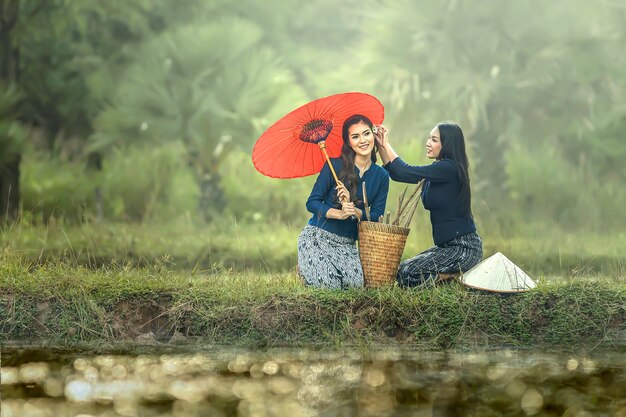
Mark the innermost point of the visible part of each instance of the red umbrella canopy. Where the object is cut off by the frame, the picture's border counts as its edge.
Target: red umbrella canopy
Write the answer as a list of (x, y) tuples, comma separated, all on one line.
[(289, 148)]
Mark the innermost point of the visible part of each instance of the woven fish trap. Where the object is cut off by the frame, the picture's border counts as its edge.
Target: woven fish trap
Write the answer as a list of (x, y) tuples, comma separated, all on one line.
[(380, 248)]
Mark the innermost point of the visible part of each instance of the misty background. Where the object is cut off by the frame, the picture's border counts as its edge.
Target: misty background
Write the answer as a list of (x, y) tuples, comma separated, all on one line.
[(146, 111)]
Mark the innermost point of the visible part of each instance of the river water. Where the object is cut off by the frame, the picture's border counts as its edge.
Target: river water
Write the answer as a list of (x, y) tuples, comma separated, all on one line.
[(291, 382)]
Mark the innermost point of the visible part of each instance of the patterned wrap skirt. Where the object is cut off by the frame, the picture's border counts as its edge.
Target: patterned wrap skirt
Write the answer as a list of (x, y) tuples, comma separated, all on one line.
[(458, 255), (327, 260)]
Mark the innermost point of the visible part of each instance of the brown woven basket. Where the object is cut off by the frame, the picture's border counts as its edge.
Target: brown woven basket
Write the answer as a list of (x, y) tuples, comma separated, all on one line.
[(380, 248)]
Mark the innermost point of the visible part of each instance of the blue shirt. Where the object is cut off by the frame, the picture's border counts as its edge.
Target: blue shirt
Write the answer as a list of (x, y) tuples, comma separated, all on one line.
[(440, 195), (324, 197)]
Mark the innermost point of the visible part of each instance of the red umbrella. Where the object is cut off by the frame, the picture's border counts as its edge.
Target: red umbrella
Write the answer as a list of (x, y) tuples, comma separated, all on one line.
[(287, 149)]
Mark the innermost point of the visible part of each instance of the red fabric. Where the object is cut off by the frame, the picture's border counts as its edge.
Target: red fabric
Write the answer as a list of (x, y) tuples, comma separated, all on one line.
[(286, 151)]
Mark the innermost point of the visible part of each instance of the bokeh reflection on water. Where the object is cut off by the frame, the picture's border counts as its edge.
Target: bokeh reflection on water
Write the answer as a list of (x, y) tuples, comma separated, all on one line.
[(305, 382)]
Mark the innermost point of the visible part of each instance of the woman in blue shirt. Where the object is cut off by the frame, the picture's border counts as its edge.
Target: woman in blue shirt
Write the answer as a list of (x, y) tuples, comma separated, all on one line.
[(446, 194), (327, 252)]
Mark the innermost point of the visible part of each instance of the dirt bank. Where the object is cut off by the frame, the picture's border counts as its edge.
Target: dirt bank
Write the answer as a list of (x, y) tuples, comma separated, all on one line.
[(564, 314)]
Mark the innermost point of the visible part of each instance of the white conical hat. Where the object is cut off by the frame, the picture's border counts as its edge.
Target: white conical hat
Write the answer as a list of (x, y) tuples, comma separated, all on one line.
[(498, 274)]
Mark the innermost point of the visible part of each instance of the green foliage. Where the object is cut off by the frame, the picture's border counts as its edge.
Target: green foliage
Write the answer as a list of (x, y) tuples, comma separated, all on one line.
[(147, 182), (505, 80), (211, 87), (311, 41), (540, 97), (12, 133), (543, 184), (55, 188), (82, 48), (252, 197), (138, 183), (200, 85)]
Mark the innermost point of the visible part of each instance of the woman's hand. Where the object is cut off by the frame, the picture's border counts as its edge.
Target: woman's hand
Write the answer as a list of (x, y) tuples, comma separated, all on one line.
[(342, 192), (347, 210), (387, 154), (382, 135), (347, 207)]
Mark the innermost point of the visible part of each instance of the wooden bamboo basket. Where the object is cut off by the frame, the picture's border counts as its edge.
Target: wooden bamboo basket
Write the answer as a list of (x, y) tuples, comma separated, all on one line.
[(380, 249)]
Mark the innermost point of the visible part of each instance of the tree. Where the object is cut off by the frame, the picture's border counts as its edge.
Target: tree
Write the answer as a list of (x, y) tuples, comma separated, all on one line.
[(507, 73), (312, 38), (48, 49), (9, 138), (212, 87), (11, 141)]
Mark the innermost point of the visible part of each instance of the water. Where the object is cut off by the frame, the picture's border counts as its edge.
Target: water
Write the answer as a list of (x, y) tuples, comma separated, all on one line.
[(303, 382)]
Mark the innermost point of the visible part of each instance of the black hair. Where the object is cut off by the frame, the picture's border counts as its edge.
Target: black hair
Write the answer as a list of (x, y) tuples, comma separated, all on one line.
[(347, 174), (453, 147)]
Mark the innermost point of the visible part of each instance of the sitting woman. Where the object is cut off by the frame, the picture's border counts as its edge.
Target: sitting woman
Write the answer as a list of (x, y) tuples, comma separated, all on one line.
[(446, 193), (327, 252)]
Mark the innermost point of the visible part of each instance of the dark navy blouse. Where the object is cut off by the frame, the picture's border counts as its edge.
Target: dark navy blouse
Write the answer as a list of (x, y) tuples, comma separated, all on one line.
[(440, 195), (324, 197)]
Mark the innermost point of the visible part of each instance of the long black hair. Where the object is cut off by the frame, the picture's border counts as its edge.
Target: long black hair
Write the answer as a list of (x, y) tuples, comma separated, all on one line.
[(347, 174), (453, 147)]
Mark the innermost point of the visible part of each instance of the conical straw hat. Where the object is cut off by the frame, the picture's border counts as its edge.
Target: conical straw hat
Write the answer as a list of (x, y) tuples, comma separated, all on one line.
[(498, 274)]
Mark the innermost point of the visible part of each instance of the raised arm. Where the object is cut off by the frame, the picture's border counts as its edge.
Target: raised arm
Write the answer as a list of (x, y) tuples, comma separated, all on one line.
[(440, 171)]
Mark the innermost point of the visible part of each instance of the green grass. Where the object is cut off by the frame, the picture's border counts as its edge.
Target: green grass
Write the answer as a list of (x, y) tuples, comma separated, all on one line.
[(62, 304), (271, 248), (233, 283), (184, 246)]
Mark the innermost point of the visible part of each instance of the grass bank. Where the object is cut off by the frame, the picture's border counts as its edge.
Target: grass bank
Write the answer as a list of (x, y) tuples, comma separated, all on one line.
[(62, 304)]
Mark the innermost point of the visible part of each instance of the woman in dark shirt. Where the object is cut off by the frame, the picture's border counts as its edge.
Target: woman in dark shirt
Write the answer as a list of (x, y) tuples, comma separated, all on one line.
[(446, 194), (327, 252)]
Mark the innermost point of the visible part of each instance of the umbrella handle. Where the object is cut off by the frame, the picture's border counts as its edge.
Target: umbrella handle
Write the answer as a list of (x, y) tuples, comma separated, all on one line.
[(322, 145)]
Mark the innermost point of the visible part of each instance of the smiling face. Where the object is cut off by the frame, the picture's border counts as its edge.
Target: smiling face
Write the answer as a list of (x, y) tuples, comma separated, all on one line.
[(433, 144), (361, 139)]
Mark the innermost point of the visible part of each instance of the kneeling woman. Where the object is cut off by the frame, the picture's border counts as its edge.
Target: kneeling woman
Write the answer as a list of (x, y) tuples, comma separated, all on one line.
[(446, 193), (327, 252)]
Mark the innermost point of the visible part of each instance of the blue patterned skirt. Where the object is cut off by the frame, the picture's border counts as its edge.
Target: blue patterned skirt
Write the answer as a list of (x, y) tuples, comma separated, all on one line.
[(328, 260)]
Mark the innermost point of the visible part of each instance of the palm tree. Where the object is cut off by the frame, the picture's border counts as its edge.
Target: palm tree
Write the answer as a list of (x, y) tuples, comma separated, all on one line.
[(213, 87), (531, 72)]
